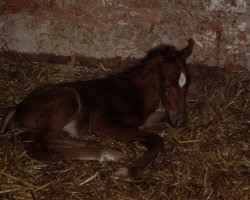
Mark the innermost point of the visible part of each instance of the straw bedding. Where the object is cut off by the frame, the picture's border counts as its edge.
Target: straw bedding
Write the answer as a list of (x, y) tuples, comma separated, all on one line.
[(206, 159)]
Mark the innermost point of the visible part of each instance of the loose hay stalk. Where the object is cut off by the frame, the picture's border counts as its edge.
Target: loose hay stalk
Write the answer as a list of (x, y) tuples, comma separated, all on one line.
[(207, 159)]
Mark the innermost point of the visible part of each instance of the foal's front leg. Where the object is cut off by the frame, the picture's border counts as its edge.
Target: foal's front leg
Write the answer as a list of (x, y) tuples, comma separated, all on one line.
[(152, 142), (154, 122)]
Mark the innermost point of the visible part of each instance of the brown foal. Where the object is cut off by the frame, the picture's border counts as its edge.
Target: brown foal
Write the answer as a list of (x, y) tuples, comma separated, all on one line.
[(112, 107)]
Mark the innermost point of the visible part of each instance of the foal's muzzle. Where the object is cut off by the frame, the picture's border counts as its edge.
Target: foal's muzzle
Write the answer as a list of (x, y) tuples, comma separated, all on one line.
[(178, 119)]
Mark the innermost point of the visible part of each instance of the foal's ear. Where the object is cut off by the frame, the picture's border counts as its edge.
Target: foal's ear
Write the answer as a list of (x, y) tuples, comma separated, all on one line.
[(186, 52)]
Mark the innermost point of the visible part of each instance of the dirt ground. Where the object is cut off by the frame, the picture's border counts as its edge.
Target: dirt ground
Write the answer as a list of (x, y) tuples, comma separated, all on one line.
[(206, 159)]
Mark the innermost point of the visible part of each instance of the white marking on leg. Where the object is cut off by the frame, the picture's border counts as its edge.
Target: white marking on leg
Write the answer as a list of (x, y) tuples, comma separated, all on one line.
[(107, 157), (111, 155), (182, 80), (71, 129)]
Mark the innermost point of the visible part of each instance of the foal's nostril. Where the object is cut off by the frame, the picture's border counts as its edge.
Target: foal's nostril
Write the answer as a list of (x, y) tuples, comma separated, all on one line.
[(179, 123), (178, 120)]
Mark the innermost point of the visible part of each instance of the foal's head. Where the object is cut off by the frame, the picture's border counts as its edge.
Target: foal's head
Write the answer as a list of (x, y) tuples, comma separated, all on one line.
[(174, 83)]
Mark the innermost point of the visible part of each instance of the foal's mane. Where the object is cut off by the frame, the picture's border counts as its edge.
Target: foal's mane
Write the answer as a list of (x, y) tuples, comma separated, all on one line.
[(169, 51)]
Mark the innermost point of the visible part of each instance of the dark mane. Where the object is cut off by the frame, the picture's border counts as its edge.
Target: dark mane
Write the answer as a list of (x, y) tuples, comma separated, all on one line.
[(169, 51)]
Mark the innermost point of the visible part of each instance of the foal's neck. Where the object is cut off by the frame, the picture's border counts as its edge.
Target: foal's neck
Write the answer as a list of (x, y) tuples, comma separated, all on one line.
[(147, 73), (146, 80), (145, 76)]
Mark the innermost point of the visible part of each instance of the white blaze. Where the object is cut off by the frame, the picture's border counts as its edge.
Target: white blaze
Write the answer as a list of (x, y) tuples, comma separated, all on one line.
[(182, 80)]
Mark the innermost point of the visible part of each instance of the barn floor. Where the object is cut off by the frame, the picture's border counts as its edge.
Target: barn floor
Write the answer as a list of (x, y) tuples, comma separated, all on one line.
[(207, 159)]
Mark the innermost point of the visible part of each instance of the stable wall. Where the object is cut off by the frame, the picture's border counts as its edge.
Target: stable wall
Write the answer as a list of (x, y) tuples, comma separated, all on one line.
[(127, 28)]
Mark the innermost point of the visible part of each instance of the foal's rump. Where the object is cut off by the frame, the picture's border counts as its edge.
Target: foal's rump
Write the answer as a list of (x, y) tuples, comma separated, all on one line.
[(48, 106)]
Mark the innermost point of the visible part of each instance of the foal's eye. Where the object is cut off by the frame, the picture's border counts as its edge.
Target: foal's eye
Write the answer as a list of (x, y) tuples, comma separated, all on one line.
[(167, 88)]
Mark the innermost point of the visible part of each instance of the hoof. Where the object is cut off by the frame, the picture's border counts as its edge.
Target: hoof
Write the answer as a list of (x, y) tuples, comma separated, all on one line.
[(122, 172), (126, 174)]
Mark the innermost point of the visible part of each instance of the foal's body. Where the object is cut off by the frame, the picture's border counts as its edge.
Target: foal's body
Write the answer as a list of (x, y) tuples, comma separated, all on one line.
[(112, 107)]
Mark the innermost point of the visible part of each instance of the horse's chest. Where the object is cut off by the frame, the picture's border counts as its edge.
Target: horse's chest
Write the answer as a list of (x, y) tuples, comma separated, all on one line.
[(140, 118)]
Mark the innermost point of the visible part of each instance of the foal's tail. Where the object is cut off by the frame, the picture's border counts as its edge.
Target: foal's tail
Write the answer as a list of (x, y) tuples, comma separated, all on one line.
[(7, 121)]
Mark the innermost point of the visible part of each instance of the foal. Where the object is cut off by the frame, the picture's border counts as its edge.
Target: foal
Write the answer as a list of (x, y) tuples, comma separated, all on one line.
[(111, 107)]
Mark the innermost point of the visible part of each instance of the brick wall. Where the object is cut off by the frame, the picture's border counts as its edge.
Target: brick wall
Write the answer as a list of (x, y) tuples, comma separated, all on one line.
[(128, 28)]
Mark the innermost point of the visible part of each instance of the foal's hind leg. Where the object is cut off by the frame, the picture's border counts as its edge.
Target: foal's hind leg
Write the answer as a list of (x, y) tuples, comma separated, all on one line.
[(72, 150), (48, 146)]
